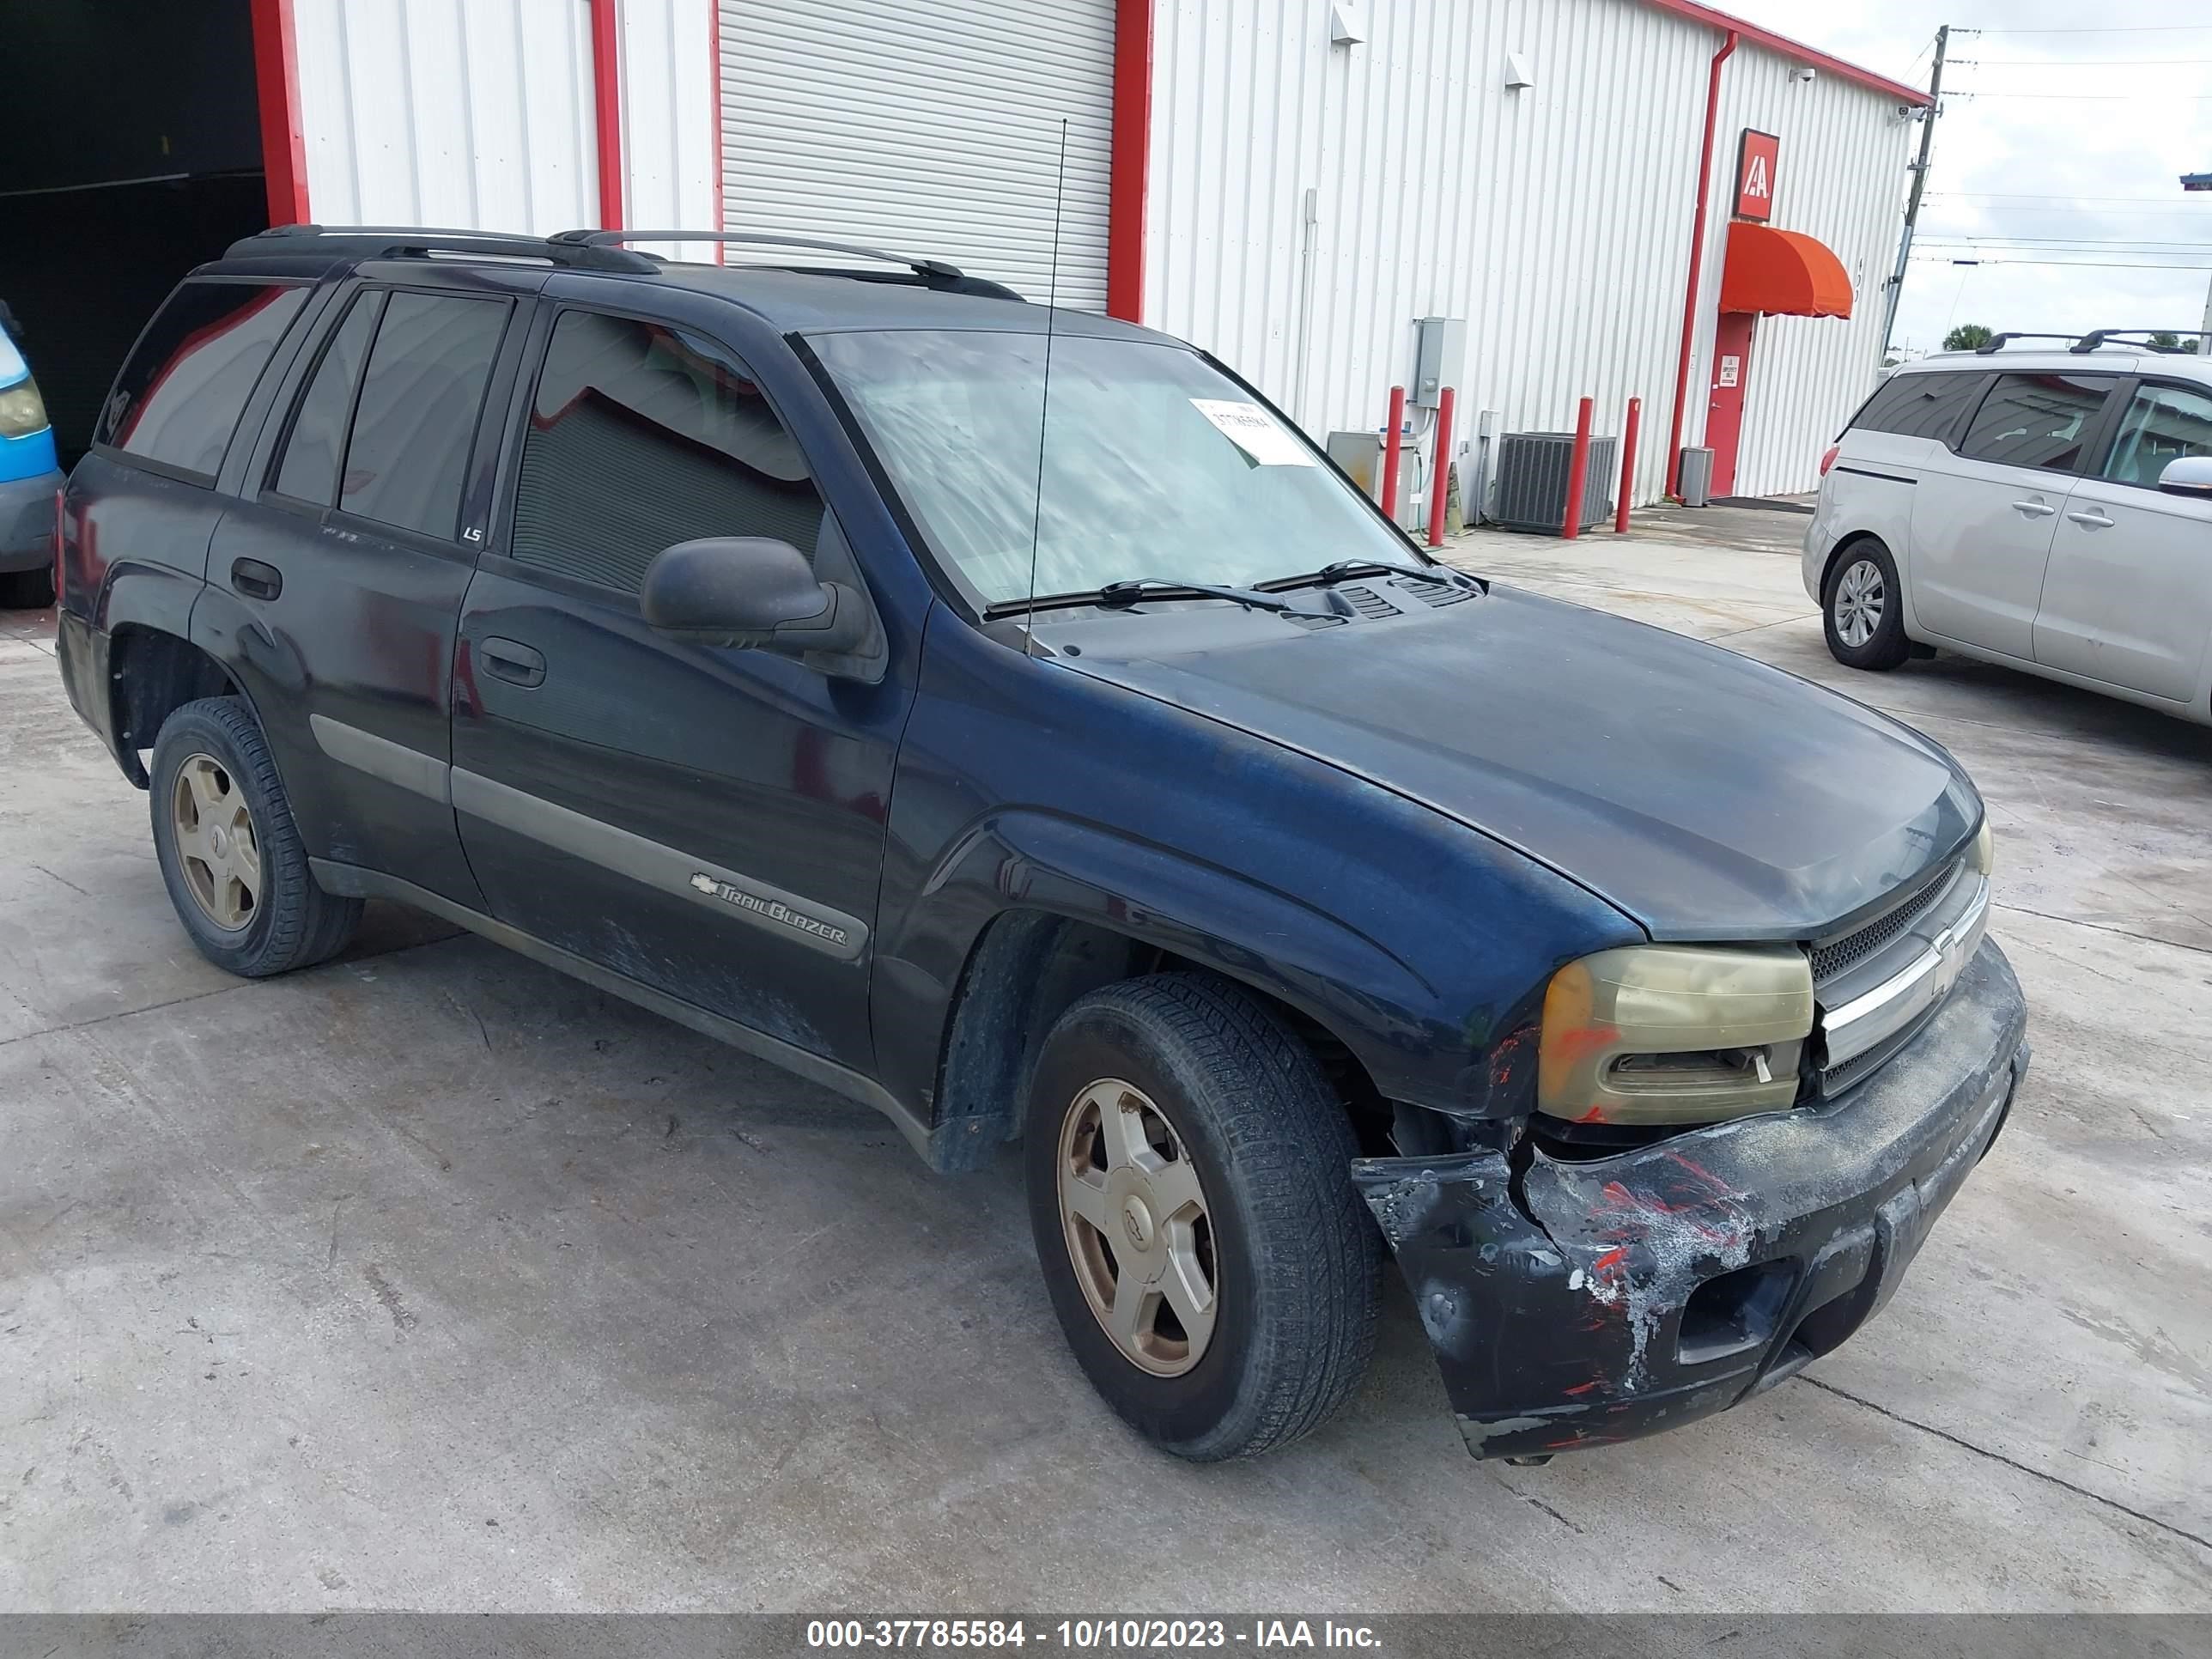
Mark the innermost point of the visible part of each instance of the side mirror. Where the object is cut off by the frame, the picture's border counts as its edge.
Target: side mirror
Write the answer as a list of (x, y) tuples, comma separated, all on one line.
[(750, 591), (2190, 475)]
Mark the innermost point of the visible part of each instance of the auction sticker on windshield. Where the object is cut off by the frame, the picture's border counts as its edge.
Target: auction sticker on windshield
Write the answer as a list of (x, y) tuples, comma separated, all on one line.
[(1254, 431)]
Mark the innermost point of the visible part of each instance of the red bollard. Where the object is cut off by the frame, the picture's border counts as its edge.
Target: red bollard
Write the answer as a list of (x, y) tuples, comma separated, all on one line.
[(1390, 454), (1578, 473), (1443, 469), (1627, 466)]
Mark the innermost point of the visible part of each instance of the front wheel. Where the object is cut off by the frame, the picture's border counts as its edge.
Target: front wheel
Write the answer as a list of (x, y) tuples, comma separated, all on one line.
[(1212, 1268), (1862, 613)]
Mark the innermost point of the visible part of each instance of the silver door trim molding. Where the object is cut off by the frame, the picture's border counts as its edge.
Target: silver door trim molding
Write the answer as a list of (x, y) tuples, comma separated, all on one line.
[(727, 892), (394, 763)]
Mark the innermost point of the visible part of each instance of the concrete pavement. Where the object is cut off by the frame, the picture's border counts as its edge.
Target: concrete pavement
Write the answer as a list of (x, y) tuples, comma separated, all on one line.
[(431, 1279)]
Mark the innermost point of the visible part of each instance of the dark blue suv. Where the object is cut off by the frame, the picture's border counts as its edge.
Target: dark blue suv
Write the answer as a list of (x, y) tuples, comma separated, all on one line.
[(1005, 717)]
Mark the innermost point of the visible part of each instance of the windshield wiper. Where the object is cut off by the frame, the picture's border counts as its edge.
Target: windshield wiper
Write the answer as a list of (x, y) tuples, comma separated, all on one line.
[(1116, 595), (1343, 569)]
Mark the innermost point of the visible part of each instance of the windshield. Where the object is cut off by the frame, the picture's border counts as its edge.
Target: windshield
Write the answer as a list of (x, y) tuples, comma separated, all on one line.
[(1155, 464)]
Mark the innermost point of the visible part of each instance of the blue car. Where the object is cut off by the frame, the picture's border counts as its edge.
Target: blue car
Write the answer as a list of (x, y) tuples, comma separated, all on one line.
[(30, 474)]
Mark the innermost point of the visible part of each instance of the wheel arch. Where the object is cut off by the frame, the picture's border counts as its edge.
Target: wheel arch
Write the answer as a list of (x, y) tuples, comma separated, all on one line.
[(152, 673), (1024, 962)]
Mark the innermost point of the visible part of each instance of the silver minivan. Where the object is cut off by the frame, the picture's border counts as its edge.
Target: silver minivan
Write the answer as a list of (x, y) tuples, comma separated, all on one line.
[(2051, 510)]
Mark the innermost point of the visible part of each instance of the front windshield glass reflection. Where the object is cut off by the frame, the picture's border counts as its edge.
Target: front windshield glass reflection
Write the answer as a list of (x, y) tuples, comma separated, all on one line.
[(1155, 464)]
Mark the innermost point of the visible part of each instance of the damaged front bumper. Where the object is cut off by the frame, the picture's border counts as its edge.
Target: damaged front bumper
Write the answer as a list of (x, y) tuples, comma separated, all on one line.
[(1620, 1296)]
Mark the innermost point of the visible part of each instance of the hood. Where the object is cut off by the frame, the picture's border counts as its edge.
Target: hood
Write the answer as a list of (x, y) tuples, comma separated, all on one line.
[(1706, 795)]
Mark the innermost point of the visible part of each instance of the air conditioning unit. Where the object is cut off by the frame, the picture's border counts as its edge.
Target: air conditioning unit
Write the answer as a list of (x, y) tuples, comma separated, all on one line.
[(1532, 480)]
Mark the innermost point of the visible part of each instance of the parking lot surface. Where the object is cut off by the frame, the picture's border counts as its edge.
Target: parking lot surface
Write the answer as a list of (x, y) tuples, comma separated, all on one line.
[(431, 1279)]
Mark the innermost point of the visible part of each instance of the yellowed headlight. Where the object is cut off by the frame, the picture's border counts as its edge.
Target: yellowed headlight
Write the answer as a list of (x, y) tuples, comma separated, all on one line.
[(1675, 1033)]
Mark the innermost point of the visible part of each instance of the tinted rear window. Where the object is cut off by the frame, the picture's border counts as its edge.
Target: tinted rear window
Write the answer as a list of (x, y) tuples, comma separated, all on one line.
[(1918, 406), (180, 396), (2036, 420), (416, 417)]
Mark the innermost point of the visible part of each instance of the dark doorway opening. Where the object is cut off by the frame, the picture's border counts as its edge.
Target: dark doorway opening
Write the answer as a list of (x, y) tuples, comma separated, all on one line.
[(134, 153)]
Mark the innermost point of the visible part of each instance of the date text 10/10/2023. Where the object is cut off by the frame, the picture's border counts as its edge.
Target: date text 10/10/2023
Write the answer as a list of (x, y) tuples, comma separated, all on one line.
[(1089, 1635)]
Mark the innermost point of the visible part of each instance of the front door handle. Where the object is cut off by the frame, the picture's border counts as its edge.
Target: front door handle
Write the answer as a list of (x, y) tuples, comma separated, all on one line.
[(511, 659), (2036, 509), (2093, 519), (255, 580)]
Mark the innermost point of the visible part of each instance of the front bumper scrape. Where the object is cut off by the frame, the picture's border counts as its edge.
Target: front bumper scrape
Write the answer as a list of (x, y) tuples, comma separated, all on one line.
[(1598, 1301)]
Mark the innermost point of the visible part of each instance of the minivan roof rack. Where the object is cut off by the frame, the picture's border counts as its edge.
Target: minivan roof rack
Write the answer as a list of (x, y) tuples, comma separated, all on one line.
[(934, 273), (2097, 336), (1999, 342)]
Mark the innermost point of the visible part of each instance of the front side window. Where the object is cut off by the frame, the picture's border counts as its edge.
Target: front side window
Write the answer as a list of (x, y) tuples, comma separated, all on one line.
[(2162, 424), (2036, 420), (1155, 465), (640, 436), (415, 419), (180, 396)]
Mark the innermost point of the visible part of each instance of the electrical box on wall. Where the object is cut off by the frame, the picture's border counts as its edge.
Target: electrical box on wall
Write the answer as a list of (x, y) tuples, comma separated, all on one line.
[(1439, 351)]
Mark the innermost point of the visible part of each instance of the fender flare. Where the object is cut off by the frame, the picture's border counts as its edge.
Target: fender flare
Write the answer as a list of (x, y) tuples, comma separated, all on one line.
[(1287, 947)]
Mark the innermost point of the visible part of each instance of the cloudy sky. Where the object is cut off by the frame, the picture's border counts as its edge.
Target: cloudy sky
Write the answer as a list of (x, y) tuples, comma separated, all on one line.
[(2057, 164)]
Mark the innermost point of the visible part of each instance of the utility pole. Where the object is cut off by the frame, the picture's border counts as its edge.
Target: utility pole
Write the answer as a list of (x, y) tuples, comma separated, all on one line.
[(1919, 185), (2202, 181)]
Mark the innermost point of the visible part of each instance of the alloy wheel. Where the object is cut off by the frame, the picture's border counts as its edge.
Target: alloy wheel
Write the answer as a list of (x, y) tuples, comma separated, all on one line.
[(216, 844), (1859, 598), (1134, 1216)]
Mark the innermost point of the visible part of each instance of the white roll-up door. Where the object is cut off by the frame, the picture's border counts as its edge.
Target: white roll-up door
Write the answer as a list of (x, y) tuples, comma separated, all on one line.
[(927, 127)]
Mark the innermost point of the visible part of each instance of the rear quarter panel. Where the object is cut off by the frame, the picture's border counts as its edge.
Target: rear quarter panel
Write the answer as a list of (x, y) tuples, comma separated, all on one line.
[(1868, 492)]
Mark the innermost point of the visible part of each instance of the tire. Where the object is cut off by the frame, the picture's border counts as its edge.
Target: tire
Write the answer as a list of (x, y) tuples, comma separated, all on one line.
[(27, 590), (212, 755), (1863, 609), (1223, 1088)]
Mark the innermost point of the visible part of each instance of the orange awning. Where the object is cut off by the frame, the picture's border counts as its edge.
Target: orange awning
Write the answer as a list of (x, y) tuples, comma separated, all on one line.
[(1780, 273)]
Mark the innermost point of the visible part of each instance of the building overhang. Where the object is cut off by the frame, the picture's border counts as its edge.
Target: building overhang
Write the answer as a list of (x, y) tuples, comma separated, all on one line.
[(1782, 273)]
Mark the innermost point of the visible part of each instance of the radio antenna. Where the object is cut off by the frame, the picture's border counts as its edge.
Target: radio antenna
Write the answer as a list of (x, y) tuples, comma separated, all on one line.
[(1044, 391)]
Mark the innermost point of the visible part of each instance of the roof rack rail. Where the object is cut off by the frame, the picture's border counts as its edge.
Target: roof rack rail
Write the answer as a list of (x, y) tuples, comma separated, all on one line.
[(2097, 336), (934, 273), (424, 241), (1998, 342)]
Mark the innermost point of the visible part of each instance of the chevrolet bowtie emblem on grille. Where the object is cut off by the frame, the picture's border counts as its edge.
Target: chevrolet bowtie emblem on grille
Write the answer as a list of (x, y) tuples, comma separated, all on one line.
[(775, 911)]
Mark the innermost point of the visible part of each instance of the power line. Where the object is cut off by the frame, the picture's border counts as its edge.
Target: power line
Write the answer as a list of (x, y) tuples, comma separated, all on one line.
[(2047, 196), (2090, 97), (2080, 63), (2133, 244), (2131, 28), (2072, 264)]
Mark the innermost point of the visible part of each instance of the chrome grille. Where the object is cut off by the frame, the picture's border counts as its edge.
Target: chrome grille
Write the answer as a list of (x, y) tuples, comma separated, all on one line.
[(1840, 956)]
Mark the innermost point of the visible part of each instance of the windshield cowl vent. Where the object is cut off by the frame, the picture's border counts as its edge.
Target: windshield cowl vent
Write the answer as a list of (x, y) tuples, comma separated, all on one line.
[(1369, 602), (1432, 594)]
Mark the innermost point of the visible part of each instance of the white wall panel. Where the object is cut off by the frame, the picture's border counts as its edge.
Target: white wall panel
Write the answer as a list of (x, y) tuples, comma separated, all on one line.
[(928, 127), (1555, 220), (670, 124), (469, 113)]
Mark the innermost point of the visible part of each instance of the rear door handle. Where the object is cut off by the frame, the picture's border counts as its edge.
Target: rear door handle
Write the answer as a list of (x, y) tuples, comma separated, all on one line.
[(511, 659), (255, 580), (2036, 509), (2093, 519)]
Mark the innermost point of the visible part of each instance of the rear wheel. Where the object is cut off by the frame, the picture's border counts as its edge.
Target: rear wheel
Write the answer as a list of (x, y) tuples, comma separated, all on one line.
[(1212, 1266), (230, 852), (1862, 613)]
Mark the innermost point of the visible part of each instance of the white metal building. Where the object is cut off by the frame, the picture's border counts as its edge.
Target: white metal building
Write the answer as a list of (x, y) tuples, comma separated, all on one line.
[(1289, 183)]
